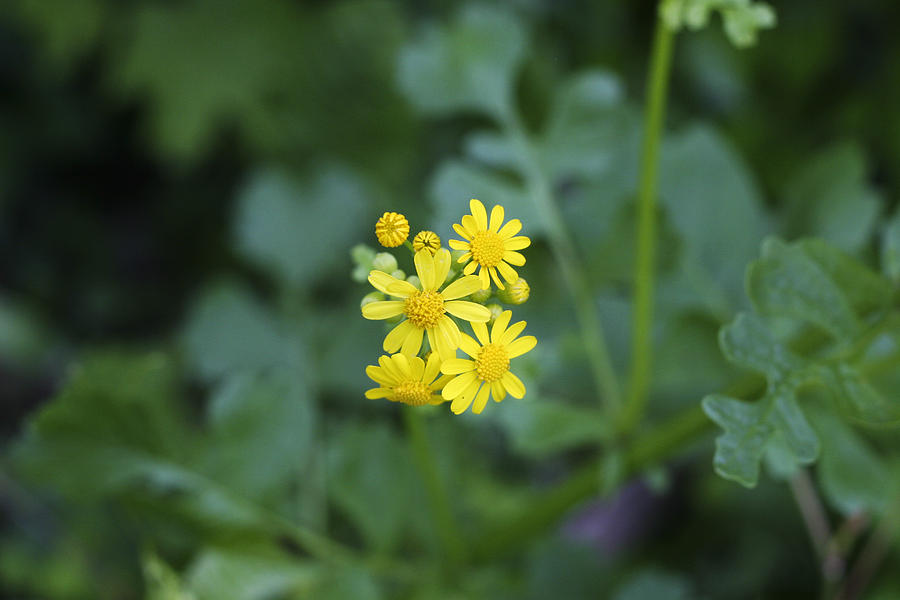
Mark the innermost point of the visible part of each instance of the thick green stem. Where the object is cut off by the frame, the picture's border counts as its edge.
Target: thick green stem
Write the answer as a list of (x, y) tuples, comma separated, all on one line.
[(645, 259), (593, 336), (434, 487)]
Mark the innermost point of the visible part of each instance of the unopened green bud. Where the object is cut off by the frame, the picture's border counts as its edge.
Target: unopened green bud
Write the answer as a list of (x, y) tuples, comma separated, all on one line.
[(384, 261), (515, 293), (362, 255), (370, 298), (481, 296), (398, 274), (496, 311), (415, 281)]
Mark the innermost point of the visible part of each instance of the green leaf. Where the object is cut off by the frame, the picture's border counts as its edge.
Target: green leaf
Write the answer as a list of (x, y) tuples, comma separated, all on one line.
[(786, 281), (24, 339), (470, 65), (542, 428), (749, 427), (370, 479), (743, 19), (859, 401), (712, 200), (652, 584), (455, 183), (492, 149), (245, 575), (289, 228), (890, 249), (586, 125), (161, 581), (852, 475), (747, 342), (227, 329), (829, 197)]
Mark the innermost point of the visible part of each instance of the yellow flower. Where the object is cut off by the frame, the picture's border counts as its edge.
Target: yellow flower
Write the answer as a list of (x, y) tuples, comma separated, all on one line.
[(409, 380), (428, 240), (391, 229), (516, 293), (489, 245), (425, 308), (488, 374)]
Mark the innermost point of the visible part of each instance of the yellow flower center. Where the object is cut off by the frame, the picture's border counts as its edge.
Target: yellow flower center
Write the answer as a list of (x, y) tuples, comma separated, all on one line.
[(487, 248), (492, 362), (414, 393), (424, 309)]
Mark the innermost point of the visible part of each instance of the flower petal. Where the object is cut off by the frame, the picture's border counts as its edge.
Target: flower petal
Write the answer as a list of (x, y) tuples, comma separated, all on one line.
[(500, 325), (458, 244), (509, 274), (379, 375), (521, 346), (481, 332), (379, 392), (496, 278), (462, 402), (462, 232), (513, 385), (468, 311), (402, 362), (514, 258), (470, 268), (388, 365), (470, 225), (417, 365), (481, 399), (485, 277), (436, 399), (442, 262), (510, 229), (455, 366), (440, 382), (517, 243), (458, 385), (425, 268), (480, 214), (468, 284), (412, 343), (449, 330), (440, 344), (511, 332), (432, 367), (395, 338), (384, 309), (381, 280), (469, 346), (498, 392), (496, 218), (401, 289)]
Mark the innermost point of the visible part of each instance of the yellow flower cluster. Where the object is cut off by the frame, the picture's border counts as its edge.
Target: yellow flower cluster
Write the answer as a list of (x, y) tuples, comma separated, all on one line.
[(424, 306)]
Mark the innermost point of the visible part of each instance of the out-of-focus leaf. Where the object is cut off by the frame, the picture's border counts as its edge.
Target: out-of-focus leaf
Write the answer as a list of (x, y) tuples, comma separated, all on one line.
[(492, 149), (67, 30), (562, 568), (748, 428), (890, 249), (545, 427), (747, 342), (219, 574), (455, 183), (370, 478), (23, 338), (228, 330), (743, 19), (652, 584), (293, 229), (469, 65), (853, 477), (830, 198), (859, 401), (585, 127), (161, 582), (786, 281), (713, 201)]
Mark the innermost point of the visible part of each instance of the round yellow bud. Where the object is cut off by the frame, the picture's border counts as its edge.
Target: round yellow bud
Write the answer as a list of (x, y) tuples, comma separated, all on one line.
[(427, 240), (515, 293), (391, 229)]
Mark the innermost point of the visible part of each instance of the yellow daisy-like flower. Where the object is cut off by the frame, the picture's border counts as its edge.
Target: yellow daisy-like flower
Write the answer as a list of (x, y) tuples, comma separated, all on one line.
[(488, 373), (391, 229), (426, 308), (427, 240), (408, 380), (489, 245)]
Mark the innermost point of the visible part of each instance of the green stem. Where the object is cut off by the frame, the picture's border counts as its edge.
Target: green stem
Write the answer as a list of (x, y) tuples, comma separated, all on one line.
[(437, 495), (592, 333), (642, 318)]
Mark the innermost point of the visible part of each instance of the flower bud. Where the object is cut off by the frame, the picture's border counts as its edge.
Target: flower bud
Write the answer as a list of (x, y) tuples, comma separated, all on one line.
[(398, 274), (384, 261), (515, 293), (413, 279), (481, 296), (370, 298), (496, 311)]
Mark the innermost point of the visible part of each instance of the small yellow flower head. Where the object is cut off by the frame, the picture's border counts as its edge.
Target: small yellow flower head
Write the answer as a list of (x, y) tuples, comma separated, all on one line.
[(427, 240), (409, 380), (392, 229), (490, 246), (517, 293), (426, 309), (487, 374)]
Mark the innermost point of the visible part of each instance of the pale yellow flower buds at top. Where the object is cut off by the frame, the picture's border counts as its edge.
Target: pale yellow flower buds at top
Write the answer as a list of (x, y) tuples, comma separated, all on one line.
[(426, 240), (515, 293), (384, 261), (481, 296), (391, 229)]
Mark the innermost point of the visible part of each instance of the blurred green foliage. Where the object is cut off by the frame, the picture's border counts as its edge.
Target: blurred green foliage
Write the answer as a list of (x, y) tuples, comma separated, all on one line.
[(182, 357)]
